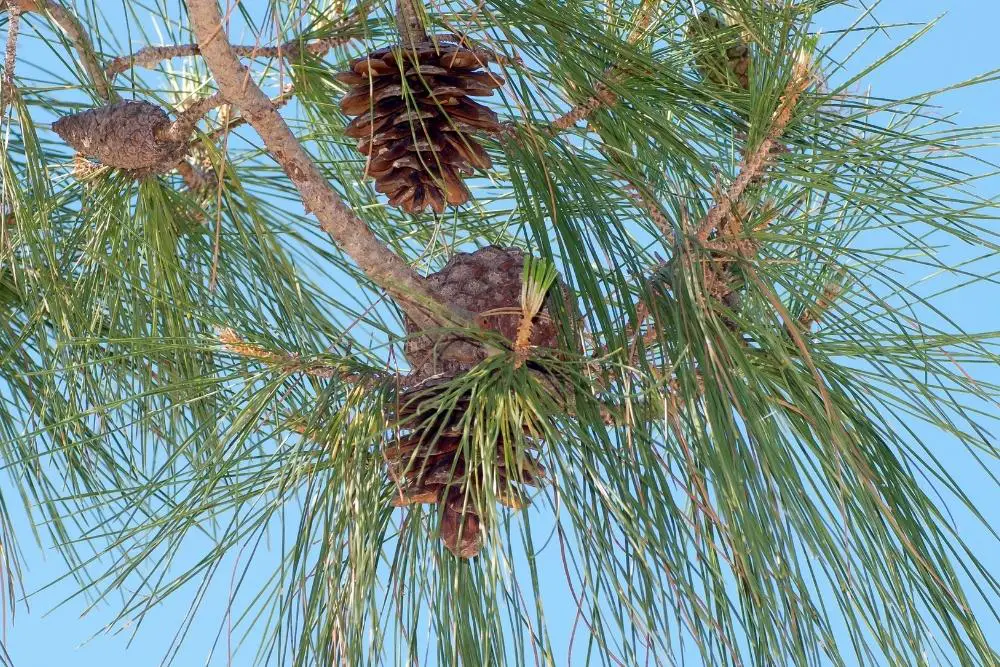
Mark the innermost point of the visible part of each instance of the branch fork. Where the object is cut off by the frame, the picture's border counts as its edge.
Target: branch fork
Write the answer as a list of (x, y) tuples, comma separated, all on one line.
[(349, 232)]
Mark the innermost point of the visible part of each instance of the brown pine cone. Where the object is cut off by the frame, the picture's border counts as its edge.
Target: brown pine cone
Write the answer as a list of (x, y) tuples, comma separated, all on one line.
[(415, 119), (486, 282), (125, 135), (428, 465)]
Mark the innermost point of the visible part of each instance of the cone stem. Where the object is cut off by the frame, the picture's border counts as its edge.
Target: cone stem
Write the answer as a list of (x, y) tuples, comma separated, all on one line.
[(410, 22)]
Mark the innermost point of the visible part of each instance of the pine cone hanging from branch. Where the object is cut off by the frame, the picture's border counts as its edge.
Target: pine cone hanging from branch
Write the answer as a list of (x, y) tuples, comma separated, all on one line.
[(415, 118), (430, 464), (125, 135), (430, 461)]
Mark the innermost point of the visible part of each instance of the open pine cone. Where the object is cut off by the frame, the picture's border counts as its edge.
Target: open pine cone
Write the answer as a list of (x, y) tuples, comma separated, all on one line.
[(725, 60), (125, 135), (429, 465), (415, 119), (486, 282)]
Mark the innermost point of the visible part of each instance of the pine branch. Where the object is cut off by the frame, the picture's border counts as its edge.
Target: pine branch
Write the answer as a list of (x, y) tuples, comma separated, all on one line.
[(10, 58), (70, 24), (196, 179), (286, 96), (410, 22), (603, 96), (380, 264), (285, 361), (150, 56), (184, 124), (814, 313), (758, 161)]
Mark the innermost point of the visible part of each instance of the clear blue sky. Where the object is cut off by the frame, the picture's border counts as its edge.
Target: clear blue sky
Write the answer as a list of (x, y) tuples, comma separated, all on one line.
[(964, 44)]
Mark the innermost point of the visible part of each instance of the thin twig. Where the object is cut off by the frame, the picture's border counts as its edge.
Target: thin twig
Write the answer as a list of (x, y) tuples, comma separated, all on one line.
[(286, 361), (196, 179), (70, 24), (150, 56), (286, 96), (182, 127), (651, 208), (814, 313), (603, 96), (346, 229), (10, 58)]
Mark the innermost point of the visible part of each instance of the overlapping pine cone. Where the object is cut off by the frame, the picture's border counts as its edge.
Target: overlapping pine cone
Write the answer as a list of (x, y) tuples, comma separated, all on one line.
[(428, 461), (429, 464), (486, 282), (725, 60), (415, 120), (125, 135)]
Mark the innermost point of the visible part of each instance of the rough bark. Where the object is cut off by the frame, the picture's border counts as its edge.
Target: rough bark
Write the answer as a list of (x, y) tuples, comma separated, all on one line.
[(350, 233)]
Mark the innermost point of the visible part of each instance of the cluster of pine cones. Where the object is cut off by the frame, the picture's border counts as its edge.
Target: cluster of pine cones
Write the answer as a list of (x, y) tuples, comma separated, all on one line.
[(416, 120), (430, 462)]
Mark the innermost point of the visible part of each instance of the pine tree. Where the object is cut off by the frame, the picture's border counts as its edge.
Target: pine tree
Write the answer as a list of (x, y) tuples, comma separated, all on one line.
[(450, 317)]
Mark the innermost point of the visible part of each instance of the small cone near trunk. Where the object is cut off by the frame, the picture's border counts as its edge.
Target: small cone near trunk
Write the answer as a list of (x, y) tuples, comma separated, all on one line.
[(723, 57), (125, 135), (434, 459), (414, 118)]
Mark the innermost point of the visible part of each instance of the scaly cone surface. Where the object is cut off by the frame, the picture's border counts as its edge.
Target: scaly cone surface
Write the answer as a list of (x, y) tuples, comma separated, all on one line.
[(125, 135), (415, 119)]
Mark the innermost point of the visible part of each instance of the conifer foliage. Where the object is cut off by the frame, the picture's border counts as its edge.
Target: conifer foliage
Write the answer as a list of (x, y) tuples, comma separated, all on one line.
[(495, 332)]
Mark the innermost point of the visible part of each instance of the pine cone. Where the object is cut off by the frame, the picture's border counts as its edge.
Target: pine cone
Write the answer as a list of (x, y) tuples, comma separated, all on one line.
[(429, 466), (486, 282), (414, 119), (724, 58), (123, 135)]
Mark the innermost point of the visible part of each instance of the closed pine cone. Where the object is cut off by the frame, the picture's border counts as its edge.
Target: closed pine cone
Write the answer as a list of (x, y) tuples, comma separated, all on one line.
[(125, 135), (487, 283), (415, 119), (725, 58), (429, 466)]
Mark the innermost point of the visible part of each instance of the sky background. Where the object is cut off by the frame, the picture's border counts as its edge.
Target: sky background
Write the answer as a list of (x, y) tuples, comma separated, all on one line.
[(962, 45)]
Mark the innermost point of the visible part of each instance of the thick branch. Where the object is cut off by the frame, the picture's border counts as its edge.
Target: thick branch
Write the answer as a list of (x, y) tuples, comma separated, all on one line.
[(380, 264)]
